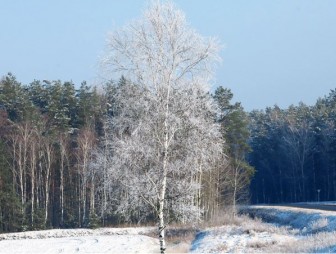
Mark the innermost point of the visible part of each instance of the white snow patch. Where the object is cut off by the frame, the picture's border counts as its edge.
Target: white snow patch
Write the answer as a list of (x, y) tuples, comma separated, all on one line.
[(105, 240), (84, 244)]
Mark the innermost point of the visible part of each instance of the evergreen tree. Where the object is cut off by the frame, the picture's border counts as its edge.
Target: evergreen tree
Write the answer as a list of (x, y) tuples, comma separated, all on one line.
[(14, 98), (11, 217), (234, 127)]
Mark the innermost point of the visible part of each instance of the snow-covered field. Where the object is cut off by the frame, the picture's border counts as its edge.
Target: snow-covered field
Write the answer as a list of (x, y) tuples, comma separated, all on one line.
[(108, 240), (84, 244), (292, 230)]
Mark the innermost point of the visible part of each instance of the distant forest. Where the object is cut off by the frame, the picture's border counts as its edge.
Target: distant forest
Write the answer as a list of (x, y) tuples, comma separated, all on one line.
[(51, 133), (294, 152)]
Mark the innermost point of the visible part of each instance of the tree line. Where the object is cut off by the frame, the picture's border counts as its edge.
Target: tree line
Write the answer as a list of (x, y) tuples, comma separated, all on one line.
[(293, 152), (55, 159)]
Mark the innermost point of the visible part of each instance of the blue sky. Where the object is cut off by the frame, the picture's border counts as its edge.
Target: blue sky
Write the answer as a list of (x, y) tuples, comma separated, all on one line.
[(276, 51)]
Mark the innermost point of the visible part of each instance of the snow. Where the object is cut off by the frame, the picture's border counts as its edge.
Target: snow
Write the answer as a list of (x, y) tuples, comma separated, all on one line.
[(128, 240), (232, 239), (57, 233), (292, 230), (84, 244)]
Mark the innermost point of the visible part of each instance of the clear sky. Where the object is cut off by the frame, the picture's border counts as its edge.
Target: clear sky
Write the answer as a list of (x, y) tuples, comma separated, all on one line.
[(276, 51)]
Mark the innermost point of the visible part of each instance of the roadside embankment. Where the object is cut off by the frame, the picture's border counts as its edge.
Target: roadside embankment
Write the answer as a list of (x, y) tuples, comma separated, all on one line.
[(307, 220)]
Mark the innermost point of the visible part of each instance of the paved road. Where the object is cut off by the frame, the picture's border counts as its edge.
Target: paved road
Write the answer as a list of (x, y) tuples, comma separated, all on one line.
[(325, 207)]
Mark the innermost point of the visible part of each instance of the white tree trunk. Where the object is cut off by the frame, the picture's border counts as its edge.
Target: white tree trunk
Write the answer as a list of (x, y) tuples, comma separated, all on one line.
[(62, 185), (33, 179), (162, 205), (162, 225), (48, 162)]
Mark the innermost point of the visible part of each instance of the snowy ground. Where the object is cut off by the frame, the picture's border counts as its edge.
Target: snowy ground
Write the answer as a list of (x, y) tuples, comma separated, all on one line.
[(126, 240), (292, 230), (84, 244), (233, 239)]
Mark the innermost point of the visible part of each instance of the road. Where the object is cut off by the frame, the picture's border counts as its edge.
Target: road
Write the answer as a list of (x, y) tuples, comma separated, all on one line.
[(325, 207)]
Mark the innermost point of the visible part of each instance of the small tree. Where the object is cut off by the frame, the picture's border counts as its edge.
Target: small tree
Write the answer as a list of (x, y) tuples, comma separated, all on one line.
[(163, 131)]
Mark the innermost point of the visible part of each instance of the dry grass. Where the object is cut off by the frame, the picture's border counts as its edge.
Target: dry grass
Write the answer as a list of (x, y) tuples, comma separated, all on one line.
[(269, 238), (309, 244), (223, 218), (319, 224), (178, 238), (285, 239), (228, 218)]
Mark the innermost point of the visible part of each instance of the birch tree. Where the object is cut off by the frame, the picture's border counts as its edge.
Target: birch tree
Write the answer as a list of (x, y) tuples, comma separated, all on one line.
[(163, 130), (85, 144), (64, 163)]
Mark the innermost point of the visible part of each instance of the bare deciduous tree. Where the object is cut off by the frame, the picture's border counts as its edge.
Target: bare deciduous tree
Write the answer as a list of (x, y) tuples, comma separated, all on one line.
[(163, 131)]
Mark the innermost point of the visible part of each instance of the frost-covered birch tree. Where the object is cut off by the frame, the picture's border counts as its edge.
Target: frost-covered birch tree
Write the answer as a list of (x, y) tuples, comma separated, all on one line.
[(163, 132)]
